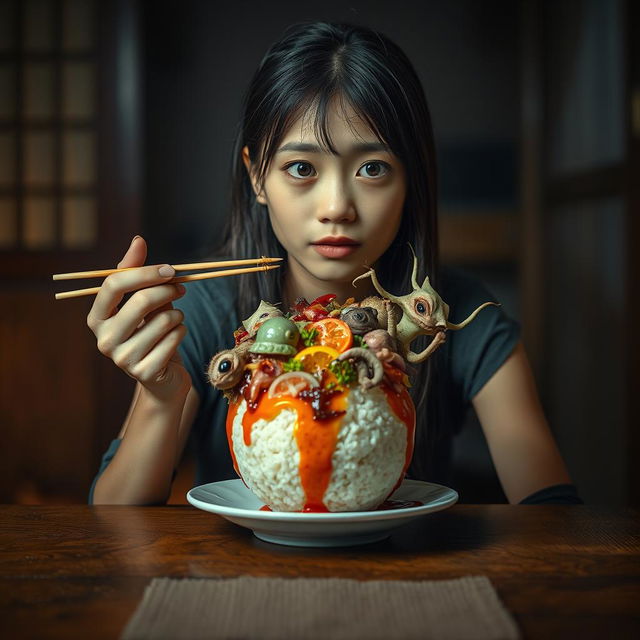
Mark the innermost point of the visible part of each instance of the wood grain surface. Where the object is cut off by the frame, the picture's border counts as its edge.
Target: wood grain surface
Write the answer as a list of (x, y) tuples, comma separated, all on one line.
[(79, 571)]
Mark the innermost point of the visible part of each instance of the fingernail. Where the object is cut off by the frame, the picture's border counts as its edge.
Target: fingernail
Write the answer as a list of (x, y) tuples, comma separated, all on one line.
[(166, 271), (134, 239)]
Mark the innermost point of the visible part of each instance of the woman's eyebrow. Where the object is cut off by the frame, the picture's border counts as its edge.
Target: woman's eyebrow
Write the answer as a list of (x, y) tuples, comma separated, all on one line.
[(314, 148)]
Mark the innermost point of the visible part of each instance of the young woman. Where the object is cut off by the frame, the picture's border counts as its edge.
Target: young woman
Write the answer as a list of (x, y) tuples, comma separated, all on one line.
[(334, 169)]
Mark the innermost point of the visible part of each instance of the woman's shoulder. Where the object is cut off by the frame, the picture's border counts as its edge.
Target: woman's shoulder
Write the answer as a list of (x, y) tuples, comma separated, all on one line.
[(462, 291), (475, 352)]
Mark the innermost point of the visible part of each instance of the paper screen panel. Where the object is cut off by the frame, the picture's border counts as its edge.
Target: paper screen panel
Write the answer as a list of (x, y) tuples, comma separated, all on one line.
[(39, 223), (79, 222), (78, 26), (7, 92), (7, 22), (7, 159), (78, 153), (8, 223), (38, 25), (38, 100), (78, 89), (39, 159)]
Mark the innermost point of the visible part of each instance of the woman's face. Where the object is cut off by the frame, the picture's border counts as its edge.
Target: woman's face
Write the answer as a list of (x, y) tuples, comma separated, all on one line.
[(312, 195)]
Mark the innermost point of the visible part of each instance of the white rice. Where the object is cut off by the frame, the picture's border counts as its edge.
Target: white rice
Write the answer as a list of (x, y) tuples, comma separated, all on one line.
[(367, 462)]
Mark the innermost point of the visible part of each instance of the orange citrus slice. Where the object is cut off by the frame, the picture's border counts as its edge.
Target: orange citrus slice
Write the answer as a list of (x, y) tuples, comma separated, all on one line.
[(315, 359), (291, 384), (332, 332)]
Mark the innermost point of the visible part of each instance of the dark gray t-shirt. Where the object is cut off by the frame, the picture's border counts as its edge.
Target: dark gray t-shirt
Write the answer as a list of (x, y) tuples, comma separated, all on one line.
[(466, 361)]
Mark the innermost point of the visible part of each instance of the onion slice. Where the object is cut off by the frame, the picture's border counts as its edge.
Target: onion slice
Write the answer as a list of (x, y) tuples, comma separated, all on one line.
[(292, 383)]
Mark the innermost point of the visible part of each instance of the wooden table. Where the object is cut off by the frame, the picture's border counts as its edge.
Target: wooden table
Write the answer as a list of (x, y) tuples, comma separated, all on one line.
[(79, 571)]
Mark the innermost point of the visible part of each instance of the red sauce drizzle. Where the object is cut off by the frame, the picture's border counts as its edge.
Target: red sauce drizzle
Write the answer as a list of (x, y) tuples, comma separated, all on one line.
[(316, 432), (316, 439)]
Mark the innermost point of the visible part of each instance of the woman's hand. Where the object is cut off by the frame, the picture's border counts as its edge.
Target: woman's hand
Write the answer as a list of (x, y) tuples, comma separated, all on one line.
[(143, 335)]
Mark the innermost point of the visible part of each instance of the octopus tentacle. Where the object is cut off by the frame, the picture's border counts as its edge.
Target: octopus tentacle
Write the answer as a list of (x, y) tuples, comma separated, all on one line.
[(370, 370)]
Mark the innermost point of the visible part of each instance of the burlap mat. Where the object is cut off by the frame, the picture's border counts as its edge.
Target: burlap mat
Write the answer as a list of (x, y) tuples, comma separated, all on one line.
[(249, 607)]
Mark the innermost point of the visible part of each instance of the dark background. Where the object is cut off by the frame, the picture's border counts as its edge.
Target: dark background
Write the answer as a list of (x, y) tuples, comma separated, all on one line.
[(198, 61), (536, 110), (196, 68)]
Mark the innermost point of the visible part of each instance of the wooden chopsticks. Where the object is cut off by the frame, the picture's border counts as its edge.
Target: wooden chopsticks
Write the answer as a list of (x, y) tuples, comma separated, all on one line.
[(264, 262)]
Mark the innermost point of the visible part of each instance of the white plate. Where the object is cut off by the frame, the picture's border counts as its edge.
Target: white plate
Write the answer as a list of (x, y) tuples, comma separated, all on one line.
[(234, 501)]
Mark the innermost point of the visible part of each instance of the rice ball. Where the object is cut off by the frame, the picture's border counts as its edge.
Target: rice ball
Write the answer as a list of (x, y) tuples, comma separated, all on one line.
[(352, 462)]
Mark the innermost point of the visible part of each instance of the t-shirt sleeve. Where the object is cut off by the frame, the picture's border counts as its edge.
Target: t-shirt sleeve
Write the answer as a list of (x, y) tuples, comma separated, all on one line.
[(480, 349), (104, 463)]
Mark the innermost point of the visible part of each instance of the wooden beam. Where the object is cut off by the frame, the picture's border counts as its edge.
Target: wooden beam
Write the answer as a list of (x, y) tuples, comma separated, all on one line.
[(590, 184), (531, 240), (632, 337), (473, 237)]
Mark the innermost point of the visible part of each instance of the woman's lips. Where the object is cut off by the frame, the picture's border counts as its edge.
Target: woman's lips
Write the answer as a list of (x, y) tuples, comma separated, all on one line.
[(335, 250)]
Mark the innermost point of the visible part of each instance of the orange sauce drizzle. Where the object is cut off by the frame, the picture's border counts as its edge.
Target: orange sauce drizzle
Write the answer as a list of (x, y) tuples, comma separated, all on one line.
[(317, 438)]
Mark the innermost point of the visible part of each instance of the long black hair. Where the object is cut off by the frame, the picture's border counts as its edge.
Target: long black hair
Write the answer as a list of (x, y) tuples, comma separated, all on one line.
[(311, 64)]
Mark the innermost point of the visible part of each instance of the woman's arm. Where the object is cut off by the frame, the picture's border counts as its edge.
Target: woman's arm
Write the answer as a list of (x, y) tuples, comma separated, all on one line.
[(142, 335), (153, 439), (522, 446)]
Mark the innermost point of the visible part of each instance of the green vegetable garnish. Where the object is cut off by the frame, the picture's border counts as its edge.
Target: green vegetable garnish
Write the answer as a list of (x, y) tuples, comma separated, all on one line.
[(293, 365), (308, 336), (358, 341), (343, 370)]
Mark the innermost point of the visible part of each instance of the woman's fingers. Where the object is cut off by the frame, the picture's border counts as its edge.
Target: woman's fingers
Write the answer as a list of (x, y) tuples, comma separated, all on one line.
[(136, 254), (152, 368), (120, 327), (143, 335), (117, 285), (129, 354)]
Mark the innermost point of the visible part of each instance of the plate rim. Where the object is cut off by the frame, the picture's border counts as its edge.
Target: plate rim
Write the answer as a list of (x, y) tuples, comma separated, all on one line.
[(340, 516)]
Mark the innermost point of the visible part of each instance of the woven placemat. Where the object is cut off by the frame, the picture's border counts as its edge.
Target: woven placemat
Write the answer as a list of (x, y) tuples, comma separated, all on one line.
[(247, 607)]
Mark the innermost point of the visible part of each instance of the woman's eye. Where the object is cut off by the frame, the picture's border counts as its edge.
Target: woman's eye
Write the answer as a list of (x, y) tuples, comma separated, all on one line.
[(302, 169), (374, 169)]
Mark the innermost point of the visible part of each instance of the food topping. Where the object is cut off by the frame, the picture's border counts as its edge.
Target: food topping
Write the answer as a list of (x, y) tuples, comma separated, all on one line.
[(331, 332), (315, 359), (276, 336), (307, 361), (291, 384), (319, 399)]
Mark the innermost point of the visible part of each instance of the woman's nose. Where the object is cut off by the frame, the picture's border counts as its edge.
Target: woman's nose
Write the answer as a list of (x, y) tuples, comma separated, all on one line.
[(336, 204)]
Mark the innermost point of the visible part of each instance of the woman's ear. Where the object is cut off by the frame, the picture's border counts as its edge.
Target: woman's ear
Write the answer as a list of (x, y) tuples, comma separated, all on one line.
[(247, 163)]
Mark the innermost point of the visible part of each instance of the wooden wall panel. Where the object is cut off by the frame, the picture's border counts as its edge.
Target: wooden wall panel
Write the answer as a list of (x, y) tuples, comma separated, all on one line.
[(47, 397), (60, 400)]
